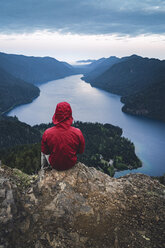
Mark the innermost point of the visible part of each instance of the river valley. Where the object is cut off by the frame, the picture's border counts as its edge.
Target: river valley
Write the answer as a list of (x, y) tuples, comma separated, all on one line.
[(95, 105)]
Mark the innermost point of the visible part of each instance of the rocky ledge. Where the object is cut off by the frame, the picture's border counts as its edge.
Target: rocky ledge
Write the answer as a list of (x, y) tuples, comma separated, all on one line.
[(80, 208)]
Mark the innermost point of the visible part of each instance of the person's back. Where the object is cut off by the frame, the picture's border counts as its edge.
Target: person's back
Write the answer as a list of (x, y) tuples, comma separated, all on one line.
[(62, 142)]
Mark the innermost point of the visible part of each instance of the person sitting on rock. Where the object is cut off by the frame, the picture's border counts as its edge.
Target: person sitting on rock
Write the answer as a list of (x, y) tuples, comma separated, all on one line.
[(62, 142)]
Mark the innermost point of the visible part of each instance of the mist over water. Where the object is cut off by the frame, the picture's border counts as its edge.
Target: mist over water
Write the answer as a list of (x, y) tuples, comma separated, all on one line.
[(95, 105)]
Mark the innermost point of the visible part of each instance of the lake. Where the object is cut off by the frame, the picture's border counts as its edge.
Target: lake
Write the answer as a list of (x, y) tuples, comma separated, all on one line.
[(95, 105)]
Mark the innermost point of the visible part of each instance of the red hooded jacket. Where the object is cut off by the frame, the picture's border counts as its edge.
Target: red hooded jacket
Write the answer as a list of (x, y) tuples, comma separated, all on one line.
[(62, 141)]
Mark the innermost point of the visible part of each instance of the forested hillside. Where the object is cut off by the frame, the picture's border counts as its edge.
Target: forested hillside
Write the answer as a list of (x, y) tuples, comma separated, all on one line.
[(93, 68), (105, 149), (35, 69), (131, 75), (14, 133), (99, 66), (14, 91), (149, 103), (140, 82)]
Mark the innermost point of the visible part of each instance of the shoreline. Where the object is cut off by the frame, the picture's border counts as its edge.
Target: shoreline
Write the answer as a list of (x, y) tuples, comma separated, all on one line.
[(126, 133), (19, 104), (124, 111)]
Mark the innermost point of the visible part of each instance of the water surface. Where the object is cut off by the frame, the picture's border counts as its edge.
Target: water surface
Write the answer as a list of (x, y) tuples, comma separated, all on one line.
[(95, 105)]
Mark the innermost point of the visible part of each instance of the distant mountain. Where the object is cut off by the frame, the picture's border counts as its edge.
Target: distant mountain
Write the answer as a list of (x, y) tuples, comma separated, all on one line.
[(131, 75), (98, 67), (68, 66), (140, 82), (86, 61), (35, 69), (14, 91), (149, 103), (96, 63), (86, 68)]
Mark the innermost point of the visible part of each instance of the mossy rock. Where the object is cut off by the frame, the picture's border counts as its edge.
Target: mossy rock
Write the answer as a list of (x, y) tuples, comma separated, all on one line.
[(21, 179)]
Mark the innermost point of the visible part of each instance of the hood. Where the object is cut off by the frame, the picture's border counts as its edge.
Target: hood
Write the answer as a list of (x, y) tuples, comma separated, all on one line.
[(63, 115)]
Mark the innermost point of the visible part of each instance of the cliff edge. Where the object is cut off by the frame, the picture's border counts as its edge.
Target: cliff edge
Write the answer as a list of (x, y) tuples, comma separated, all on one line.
[(81, 207)]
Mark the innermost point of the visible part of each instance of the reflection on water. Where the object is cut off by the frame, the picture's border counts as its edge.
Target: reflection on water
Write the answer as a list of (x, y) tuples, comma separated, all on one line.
[(95, 105)]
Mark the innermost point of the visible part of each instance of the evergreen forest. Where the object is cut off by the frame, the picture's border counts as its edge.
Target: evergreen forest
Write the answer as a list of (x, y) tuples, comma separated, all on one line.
[(106, 149)]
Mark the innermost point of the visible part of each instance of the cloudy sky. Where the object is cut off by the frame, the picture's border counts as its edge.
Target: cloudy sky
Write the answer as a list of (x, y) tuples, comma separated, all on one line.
[(79, 29)]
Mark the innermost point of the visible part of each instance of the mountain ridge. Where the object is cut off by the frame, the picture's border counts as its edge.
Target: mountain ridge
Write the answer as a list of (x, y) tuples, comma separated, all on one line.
[(136, 79), (33, 69), (122, 77), (14, 91), (98, 67)]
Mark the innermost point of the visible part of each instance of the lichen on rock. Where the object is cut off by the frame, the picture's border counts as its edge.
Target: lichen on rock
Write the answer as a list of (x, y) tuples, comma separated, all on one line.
[(82, 207)]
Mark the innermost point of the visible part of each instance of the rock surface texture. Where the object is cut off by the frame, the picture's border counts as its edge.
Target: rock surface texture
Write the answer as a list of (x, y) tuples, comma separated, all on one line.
[(81, 208)]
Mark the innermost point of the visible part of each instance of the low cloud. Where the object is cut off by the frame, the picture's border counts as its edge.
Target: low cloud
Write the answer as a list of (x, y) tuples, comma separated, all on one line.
[(83, 16)]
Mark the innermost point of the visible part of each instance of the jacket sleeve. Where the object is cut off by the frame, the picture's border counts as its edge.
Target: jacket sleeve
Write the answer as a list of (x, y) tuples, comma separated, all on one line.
[(82, 143), (44, 146)]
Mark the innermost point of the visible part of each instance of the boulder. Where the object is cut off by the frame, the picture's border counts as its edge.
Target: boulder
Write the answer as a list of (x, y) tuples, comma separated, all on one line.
[(81, 207)]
